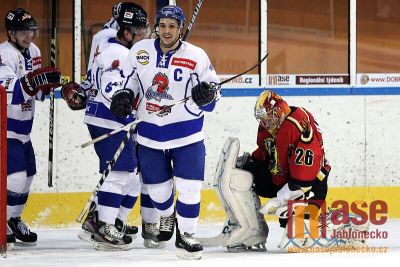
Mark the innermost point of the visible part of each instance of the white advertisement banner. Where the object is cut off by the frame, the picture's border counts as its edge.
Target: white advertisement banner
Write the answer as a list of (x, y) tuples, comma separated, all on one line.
[(378, 79)]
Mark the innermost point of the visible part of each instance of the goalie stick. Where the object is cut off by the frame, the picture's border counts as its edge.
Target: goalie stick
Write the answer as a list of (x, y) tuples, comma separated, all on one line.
[(51, 110), (215, 87)]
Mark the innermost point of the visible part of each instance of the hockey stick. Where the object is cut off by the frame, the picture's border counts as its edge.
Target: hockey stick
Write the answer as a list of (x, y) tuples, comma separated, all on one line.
[(111, 164), (51, 111), (215, 87), (194, 16)]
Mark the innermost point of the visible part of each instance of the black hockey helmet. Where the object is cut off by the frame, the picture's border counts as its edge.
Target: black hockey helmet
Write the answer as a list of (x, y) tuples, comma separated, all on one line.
[(119, 8), (20, 19), (132, 17)]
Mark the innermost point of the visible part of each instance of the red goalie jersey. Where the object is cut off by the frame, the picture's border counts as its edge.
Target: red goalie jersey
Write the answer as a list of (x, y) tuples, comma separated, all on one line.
[(293, 143)]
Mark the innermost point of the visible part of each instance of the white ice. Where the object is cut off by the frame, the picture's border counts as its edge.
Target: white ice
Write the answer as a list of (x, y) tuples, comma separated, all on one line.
[(61, 247)]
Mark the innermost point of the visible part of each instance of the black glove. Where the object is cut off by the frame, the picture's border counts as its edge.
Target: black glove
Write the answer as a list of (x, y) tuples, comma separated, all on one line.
[(43, 79), (203, 94), (122, 103)]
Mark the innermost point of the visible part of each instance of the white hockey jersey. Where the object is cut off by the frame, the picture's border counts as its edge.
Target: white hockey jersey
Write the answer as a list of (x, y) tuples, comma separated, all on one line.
[(163, 79), (107, 78), (99, 43), (20, 106)]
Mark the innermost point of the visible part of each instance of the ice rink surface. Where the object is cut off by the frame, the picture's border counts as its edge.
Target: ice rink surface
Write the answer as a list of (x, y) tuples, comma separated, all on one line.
[(61, 247)]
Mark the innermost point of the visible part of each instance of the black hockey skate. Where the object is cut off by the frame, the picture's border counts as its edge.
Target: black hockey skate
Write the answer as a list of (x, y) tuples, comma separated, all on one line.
[(150, 234), (188, 247), (22, 232), (108, 237), (10, 236), (89, 225), (126, 229), (167, 225)]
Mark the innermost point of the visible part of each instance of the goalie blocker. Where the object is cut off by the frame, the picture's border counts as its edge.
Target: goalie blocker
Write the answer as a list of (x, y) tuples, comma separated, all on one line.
[(245, 227)]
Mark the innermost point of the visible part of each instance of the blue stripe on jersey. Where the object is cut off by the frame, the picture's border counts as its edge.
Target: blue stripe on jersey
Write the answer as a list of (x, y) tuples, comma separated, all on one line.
[(99, 110), (109, 199), (188, 210), (19, 127), (128, 201), (209, 107), (170, 131), (98, 85), (12, 198), (18, 96), (165, 205), (145, 201)]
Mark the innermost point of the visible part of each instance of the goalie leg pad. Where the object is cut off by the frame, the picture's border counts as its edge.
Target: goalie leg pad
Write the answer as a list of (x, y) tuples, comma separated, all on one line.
[(239, 201)]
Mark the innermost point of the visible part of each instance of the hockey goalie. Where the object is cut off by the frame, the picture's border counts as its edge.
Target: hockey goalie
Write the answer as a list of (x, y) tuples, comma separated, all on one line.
[(289, 168)]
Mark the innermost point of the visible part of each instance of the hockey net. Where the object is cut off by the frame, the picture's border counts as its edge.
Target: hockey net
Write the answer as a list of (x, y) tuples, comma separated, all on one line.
[(3, 170)]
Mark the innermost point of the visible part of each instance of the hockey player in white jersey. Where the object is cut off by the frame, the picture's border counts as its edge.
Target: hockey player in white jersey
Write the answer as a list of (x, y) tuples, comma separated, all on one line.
[(150, 216), (25, 81), (171, 143), (121, 187)]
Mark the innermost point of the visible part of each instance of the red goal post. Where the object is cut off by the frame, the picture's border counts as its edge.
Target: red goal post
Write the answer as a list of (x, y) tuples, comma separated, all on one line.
[(3, 170)]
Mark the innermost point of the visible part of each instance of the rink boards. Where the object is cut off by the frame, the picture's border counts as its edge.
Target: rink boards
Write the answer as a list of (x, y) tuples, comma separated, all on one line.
[(360, 135)]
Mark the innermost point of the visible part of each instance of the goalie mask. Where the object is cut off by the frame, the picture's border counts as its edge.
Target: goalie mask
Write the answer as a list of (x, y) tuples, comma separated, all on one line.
[(270, 111)]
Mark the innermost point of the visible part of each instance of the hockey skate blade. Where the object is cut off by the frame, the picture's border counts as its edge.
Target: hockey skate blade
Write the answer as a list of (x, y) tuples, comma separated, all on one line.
[(25, 244), (185, 255), (257, 248), (86, 236), (148, 243), (109, 247), (211, 241)]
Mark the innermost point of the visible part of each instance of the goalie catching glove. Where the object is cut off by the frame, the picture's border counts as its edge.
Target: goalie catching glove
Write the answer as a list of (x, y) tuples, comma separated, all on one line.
[(279, 204), (122, 103), (74, 96), (43, 79), (203, 94)]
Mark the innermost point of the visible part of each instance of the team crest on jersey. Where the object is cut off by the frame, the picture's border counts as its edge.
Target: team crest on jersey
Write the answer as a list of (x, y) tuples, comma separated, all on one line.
[(115, 66), (160, 83), (143, 57)]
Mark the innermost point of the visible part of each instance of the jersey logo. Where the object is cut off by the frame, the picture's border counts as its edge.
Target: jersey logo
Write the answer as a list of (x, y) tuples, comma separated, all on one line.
[(115, 67), (37, 61), (160, 82), (143, 57), (184, 62)]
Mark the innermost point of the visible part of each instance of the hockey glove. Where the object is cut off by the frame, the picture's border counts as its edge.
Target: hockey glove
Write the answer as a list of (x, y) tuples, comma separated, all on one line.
[(203, 94), (279, 204), (42, 79), (122, 103), (74, 96)]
